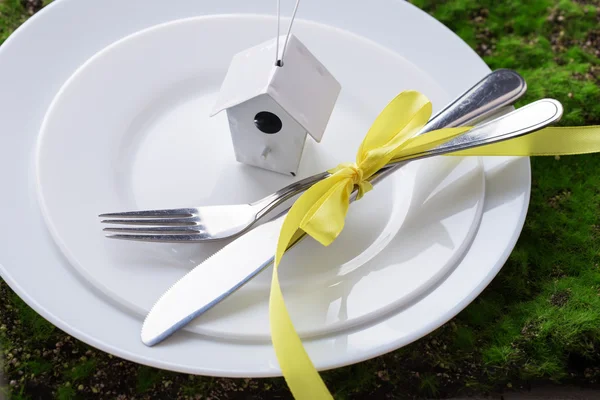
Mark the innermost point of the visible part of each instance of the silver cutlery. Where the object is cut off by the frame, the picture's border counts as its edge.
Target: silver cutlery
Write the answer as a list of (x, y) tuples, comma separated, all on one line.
[(199, 224), (245, 257)]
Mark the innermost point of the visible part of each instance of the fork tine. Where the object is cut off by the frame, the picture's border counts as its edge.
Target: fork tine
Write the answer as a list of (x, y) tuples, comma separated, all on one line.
[(157, 229), (200, 237), (153, 221), (167, 213)]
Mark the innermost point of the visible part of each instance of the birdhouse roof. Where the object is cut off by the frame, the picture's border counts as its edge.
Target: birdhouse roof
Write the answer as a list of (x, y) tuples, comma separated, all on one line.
[(303, 87)]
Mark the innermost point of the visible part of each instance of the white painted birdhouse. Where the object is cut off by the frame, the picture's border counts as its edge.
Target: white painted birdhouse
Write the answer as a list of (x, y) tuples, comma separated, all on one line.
[(272, 108)]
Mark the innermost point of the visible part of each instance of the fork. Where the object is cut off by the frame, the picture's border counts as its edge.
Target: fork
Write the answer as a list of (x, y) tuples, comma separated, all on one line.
[(498, 89)]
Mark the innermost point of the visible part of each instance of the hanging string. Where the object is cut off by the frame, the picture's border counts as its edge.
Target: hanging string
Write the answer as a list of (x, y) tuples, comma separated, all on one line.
[(287, 38), (277, 47), (279, 61)]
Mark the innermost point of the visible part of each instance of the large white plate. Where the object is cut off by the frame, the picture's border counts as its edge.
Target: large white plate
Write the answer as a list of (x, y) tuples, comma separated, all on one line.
[(35, 268)]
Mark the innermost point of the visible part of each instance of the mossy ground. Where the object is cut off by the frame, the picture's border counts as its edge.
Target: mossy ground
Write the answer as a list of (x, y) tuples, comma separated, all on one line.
[(539, 321)]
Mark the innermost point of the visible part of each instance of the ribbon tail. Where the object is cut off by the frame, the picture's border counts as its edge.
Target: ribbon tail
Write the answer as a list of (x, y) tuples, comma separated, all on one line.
[(298, 370), (300, 374), (545, 142)]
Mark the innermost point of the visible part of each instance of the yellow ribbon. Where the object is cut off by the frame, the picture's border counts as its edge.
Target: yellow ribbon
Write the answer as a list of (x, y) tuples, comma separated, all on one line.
[(320, 212)]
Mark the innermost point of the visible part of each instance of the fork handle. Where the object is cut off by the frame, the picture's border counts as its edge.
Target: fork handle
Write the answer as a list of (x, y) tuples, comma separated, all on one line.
[(499, 88)]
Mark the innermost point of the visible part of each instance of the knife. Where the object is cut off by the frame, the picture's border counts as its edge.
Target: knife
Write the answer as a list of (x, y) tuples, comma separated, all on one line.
[(245, 257)]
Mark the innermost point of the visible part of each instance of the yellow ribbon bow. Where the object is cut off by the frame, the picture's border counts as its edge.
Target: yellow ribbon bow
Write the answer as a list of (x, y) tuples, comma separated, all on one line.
[(320, 212)]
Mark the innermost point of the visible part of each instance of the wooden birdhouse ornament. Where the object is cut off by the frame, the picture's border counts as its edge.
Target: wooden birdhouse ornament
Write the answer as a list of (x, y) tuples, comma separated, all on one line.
[(273, 102)]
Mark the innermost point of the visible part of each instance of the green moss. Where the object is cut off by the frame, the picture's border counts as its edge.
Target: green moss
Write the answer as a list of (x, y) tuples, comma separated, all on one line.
[(520, 18), (19, 396), (508, 16), (556, 257), (37, 366), (549, 331), (482, 312), (197, 385), (518, 53), (347, 382), (34, 326), (12, 14), (578, 19), (497, 355), (66, 393), (578, 55), (464, 338), (147, 377), (81, 370), (428, 385)]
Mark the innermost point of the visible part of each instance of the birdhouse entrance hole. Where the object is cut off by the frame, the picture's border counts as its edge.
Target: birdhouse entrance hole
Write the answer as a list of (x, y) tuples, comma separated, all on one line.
[(268, 122)]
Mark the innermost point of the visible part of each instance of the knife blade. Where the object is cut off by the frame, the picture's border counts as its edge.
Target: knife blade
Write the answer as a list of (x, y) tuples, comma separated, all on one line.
[(237, 263), (209, 283)]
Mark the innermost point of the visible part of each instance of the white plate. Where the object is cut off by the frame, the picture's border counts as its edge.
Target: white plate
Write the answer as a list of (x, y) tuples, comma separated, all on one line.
[(140, 137), (30, 259)]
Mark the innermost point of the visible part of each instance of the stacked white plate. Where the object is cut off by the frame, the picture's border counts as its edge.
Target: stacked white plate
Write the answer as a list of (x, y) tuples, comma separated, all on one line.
[(104, 107)]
